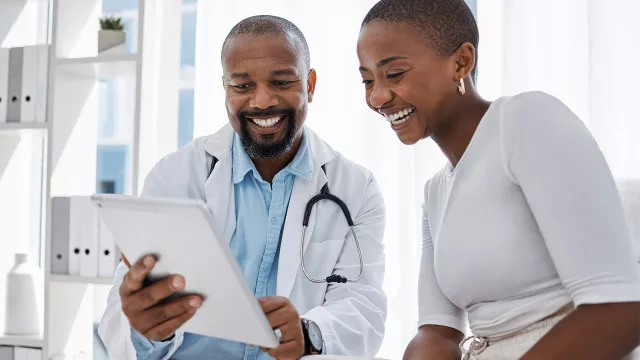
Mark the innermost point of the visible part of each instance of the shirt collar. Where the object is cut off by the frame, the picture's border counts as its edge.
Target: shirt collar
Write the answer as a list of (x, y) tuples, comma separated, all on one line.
[(301, 165)]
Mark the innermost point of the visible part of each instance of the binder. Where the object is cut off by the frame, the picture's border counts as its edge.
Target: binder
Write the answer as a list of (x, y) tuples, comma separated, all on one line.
[(34, 84), (15, 84), (6, 353), (83, 238), (60, 208), (43, 83), (80, 228), (4, 84), (108, 254), (75, 234), (88, 223), (22, 353)]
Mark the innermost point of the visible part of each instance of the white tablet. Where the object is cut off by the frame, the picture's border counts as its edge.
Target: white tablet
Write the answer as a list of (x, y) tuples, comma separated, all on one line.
[(181, 234)]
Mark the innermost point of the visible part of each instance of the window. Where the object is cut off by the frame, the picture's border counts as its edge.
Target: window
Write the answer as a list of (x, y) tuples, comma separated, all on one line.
[(115, 130), (187, 65)]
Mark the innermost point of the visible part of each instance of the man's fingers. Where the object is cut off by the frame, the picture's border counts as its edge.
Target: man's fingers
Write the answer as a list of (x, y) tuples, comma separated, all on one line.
[(134, 279), (288, 350), (291, 331), (162, 313), (281, 316), (272, 303), (166, 329), (153, 294)]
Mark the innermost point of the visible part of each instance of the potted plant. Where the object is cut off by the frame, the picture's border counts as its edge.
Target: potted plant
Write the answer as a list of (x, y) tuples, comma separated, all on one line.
[(111, 36)]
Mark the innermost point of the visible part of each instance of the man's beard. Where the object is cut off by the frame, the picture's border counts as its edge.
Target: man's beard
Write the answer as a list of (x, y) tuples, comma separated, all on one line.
[(257, 150)]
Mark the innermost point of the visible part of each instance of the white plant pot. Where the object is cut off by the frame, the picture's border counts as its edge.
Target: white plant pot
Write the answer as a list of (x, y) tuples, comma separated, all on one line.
[(25, 290), (112, 41)]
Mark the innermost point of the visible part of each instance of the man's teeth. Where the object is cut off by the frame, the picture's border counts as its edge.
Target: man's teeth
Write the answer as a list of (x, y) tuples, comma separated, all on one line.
[(400, 116), (265, 123)]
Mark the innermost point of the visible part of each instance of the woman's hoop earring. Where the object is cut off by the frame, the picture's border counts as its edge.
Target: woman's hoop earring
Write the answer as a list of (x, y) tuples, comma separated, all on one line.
[(461, 88)]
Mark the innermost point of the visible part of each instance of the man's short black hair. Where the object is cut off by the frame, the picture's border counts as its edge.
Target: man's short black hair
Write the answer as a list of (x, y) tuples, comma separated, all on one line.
[(270, 25), (446, 24)]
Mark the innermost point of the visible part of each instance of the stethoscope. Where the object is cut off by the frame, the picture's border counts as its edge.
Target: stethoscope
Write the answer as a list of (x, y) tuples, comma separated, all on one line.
[(324, 194)]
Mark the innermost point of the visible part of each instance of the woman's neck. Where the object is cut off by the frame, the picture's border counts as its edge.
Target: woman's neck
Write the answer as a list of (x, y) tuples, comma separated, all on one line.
[(462, 122)]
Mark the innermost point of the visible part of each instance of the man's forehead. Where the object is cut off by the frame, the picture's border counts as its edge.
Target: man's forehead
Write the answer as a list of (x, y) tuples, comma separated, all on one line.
[(250, 50)]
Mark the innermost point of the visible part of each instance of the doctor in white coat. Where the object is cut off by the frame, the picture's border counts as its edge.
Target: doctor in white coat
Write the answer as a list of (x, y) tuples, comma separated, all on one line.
[(257, 175)]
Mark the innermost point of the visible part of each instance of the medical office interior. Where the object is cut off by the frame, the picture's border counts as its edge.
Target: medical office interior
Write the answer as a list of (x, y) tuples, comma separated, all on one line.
[(107, 103)]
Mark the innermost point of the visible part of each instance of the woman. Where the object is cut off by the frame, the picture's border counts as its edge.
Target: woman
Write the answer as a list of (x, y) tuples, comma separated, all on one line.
[(523, 230)]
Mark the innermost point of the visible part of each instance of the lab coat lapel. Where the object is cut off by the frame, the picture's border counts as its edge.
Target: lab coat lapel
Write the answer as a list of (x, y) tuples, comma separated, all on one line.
[(218, 187), (303, 191), (289, 263)]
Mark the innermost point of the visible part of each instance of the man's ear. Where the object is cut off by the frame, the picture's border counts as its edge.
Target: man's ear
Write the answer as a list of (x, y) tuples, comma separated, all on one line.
[(311, 84)]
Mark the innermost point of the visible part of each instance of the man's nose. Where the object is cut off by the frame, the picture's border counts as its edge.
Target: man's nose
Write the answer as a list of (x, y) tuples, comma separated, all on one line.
[(263, 98)]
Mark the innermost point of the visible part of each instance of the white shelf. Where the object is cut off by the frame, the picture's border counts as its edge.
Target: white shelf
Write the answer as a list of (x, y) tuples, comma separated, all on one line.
[(100, 67), (22, 341), (23, 126), (80, 280)]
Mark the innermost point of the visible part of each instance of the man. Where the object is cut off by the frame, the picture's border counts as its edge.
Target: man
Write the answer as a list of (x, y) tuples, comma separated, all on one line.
[(257, 176)]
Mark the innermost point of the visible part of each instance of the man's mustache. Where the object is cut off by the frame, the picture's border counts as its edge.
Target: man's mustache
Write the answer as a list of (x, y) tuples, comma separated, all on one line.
[(265, 113)]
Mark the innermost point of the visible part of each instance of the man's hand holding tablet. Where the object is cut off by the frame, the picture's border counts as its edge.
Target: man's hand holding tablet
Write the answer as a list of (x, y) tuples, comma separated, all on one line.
[(146, 306)]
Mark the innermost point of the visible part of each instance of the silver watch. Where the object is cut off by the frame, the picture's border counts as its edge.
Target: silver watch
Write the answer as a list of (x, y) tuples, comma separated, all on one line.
[(312, 337)]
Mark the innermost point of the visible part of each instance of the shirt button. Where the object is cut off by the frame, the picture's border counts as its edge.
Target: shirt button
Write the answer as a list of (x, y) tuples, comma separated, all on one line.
[(274, 221)]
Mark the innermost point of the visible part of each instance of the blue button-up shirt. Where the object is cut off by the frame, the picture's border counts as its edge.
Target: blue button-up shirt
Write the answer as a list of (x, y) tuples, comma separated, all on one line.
[(261, 209)]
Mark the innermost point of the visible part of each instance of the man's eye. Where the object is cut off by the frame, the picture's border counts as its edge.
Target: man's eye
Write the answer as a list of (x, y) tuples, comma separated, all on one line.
[(282, 83), (241, 86), (367, 82)]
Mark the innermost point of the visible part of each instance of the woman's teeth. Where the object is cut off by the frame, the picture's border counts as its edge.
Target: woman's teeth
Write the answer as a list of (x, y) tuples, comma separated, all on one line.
[(399, 117), (265, 123)]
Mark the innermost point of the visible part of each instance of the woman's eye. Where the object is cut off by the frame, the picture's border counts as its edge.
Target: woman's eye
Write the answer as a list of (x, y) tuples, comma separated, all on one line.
[(395, 75)]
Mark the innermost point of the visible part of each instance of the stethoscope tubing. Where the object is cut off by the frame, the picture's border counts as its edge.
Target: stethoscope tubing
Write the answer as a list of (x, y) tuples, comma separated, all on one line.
[(319, 281)]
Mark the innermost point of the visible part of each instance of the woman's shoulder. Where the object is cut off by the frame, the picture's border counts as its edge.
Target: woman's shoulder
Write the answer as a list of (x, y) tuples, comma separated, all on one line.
[(536, 113), (433, 185), (532, 103)]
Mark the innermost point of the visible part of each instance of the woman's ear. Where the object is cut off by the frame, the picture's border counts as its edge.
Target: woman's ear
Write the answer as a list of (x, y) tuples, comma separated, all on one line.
[(465, 60)]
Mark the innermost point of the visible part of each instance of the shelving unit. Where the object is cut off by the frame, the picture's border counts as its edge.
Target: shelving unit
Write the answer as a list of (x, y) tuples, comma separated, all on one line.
[(4, 127), (80, 280), (77, 73), (58, 157), (22, 151), (100, 67), (23, 341)]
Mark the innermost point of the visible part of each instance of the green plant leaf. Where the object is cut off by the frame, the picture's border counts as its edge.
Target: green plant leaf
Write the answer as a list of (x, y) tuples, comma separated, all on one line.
[(111, 23)]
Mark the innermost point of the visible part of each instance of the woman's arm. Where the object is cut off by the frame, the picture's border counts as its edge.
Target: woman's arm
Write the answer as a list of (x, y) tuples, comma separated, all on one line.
[(572, 195), (434, 342), (605, 331), (441, 322)]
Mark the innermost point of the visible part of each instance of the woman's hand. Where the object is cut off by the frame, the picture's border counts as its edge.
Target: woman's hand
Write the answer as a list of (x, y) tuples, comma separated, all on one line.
[(594, 332), (434, 342)]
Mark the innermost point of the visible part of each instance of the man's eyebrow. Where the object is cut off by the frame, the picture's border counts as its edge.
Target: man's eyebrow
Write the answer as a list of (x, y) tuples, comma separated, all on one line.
[(284, 72), (240, 76)]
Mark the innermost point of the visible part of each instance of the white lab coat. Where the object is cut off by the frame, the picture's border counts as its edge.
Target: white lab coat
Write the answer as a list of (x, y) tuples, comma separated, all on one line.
[(351, 316)]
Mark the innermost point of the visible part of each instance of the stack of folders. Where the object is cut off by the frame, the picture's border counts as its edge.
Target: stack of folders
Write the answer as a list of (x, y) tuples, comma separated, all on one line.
[(19, 353), (23, 84), (81, 244)]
